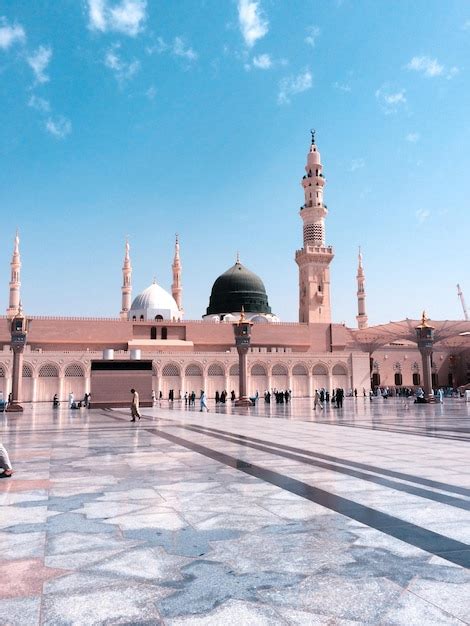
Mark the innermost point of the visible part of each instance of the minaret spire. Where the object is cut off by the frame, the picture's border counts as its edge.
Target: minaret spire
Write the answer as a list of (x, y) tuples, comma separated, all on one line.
[(15, 279), (315, 256), (126, 289), (176, 286), (361, 317)]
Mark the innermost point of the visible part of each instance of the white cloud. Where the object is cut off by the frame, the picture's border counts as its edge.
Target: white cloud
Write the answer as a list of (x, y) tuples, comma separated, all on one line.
[(292, 85), (151, 93), (390, 99), (177, 48), (39, 61), (262, 62), (253, 24), (40, 104), (123, 70), (10, 35), (181, 50), (312, 36), (357, 164), (127, 16), (342, 87), (412, 137), (59, 127), (453, 71), (422, 215), (429, 67)]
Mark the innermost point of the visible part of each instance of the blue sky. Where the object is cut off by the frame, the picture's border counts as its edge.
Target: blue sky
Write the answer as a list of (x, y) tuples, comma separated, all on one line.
[(147, 118)]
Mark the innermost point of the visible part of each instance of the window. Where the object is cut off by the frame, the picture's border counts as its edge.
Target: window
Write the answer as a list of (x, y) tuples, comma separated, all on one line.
[(153, 333), (375, 379), (398, 379), (48, 371), (74, 371), (134, 318), (159, 318), (164, 332), (193, 370), (141, 318), (215, 370), (416, 378)]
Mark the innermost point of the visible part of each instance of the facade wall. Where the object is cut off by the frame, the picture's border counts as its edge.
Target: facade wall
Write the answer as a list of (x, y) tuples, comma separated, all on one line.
[(61, 372)]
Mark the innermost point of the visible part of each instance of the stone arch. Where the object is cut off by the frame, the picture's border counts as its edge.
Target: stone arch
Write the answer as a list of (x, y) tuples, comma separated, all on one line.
[(259, 379), (49, 370), (258, 369), (234, 383), (320, 376), (74, 370), (74, 381), (300, 381), (47, 383), (171, 369), (340, 376), (299, 369), (215, 369), (171, 379), (279, 377), (27, 382), (193, 369), (215, 379), (27, 370), (193, 378)]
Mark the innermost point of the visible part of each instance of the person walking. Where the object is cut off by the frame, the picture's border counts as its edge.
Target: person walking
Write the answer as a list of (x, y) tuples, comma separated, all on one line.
[(317, 400), (5, 463), (202, 401), (441, 395), (71, 400), (135, 405)]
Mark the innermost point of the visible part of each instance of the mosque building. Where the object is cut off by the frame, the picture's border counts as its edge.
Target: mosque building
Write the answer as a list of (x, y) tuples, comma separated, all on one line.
[(189, 355)]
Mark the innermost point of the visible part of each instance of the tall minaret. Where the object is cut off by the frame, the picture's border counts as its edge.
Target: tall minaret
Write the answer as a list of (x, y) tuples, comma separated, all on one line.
[(176, 286), (362, 321), (315, 257), (15, 283), (126, 289)]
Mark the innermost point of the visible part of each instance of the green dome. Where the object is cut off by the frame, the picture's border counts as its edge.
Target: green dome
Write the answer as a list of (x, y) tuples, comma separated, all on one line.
[(238, 288)]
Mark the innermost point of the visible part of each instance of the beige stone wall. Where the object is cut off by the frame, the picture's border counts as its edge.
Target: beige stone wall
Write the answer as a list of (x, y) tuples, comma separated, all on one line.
[(47, 373)]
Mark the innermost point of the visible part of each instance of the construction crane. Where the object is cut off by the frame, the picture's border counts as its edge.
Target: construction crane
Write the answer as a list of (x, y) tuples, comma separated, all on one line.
[(462, 301)]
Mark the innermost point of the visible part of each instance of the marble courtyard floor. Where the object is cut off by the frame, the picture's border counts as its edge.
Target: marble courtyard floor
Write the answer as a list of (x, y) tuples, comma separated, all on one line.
[(276, 515)]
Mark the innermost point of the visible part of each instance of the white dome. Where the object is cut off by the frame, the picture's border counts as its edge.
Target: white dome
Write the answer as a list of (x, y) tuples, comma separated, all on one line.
[(152, 302)]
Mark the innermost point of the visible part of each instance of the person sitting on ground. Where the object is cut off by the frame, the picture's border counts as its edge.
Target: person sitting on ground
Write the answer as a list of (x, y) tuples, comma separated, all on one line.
[(5, 463)]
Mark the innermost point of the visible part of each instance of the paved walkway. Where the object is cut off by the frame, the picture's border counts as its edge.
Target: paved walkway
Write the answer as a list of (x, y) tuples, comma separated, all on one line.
[(273, 515)]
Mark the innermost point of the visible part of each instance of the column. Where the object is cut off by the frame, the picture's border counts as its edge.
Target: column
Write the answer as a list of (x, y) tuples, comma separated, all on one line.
[(427, 372), (35, 388), (17, 376)]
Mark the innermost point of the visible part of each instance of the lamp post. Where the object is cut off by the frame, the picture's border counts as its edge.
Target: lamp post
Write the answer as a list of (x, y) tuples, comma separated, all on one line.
[(18, 332), (242, 330), (425, 340)]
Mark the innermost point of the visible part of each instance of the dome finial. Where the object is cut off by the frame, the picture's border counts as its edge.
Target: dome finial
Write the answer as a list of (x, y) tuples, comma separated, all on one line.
[(238, 257), (154, 281)]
